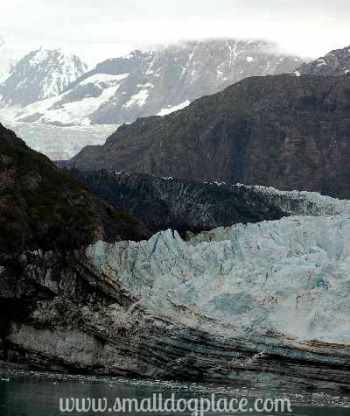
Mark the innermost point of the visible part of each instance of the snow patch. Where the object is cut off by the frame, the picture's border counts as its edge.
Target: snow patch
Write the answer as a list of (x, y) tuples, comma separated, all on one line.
[(104, 78), (138, 99), (169, 110), (75, 112)]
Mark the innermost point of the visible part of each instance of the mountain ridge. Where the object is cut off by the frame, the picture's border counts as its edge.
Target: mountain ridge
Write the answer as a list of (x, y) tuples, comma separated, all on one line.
[(42, 207), (334, 63), (159, 81), (260, 131)]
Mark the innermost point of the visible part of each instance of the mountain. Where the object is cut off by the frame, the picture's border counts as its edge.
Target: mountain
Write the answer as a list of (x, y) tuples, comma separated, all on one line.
[(283, 131), (335, 63), (41, 207), (159, 81), (38, 75)]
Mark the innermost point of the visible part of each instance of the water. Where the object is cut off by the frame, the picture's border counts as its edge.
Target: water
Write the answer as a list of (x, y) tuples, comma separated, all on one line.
[(31, 396)]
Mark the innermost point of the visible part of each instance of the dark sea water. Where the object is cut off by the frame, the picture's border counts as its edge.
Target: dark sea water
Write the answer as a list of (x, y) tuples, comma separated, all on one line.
[(33, 396)]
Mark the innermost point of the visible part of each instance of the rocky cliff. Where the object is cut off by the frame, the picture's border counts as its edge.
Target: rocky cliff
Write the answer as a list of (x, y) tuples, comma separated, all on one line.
[(283, 131)]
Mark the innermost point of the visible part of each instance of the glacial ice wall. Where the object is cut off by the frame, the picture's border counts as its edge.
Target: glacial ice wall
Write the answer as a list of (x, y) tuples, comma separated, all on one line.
[(302, 202), (289, 277)]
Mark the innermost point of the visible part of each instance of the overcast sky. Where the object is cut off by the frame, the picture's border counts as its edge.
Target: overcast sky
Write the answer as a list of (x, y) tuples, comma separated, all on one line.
[(98, 29)]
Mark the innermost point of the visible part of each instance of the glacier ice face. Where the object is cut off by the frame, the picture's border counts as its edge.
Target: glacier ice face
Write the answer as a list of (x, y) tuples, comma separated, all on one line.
[(302, 202), (289, 277)]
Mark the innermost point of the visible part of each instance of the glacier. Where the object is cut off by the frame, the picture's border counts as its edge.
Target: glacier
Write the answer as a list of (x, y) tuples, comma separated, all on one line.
[(288, 278)]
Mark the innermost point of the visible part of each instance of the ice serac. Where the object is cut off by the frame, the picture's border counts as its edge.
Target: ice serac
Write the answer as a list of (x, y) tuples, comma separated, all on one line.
[(288, 277), (159, 81), (282, 131), (39, 75)]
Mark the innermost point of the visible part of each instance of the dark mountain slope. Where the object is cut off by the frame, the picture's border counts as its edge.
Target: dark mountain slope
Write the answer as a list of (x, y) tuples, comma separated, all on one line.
[(44, 208), (283, 131)]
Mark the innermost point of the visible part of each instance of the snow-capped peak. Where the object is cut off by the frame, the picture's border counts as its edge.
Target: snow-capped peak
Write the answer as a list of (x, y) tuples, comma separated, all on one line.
[(41, 74)]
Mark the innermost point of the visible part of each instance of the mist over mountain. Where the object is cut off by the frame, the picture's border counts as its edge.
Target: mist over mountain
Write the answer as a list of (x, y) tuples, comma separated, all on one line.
[(8, 59), (159, 81)]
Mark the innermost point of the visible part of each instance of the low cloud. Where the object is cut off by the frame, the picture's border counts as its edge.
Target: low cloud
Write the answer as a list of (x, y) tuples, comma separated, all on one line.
[(105, 28)]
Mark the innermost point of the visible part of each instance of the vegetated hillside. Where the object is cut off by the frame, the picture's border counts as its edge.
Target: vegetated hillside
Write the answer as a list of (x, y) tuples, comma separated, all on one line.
[(283, 131), (44, 208)]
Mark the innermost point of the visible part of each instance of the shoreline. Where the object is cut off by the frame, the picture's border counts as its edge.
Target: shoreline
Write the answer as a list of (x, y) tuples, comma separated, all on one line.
[(12, 372)]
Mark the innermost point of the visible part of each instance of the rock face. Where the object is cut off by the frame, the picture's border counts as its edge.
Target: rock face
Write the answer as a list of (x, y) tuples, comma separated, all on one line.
[(335, 63), (146, 83), (40, 74), (283, 131)]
